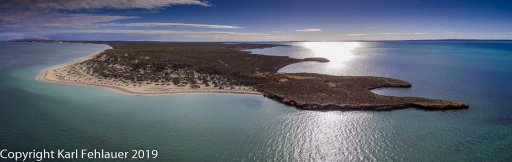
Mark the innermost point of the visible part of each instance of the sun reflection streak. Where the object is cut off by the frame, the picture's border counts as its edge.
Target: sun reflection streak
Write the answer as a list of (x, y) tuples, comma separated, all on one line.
[(327, 136), (337, 52)]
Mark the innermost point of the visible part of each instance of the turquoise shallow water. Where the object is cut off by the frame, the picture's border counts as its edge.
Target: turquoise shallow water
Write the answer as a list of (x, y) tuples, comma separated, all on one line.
[(229, 127)]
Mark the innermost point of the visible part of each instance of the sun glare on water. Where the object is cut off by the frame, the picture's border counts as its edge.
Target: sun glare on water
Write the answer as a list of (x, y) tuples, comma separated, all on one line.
[(337, 52)]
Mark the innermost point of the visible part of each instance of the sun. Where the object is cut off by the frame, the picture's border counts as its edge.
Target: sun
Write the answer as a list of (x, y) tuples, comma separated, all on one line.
[(337, 52)]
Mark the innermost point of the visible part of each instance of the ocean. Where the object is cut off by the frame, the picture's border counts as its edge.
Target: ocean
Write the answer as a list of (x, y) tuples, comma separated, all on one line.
[(233, 127)]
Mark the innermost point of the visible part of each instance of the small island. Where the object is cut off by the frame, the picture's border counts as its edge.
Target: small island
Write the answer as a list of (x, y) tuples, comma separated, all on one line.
[(155, 68)]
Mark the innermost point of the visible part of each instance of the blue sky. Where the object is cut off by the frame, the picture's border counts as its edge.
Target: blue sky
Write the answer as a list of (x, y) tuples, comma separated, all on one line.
[(255, 20)]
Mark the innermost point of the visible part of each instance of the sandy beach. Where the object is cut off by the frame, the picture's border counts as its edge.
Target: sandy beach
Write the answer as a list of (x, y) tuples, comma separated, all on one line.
[(73, 73)]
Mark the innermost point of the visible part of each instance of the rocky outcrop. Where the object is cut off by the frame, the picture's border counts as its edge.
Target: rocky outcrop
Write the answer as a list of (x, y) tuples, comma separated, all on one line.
[(323, 92), (317, 59)]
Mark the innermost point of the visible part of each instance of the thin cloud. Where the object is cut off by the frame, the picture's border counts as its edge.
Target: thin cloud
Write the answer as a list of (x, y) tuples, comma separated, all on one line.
[(37, 17), (393, 33), (417, 33), (170, 35), (42, 20), (309, 30), (357, 34), (172, 25), (158, 32), (96, 4)]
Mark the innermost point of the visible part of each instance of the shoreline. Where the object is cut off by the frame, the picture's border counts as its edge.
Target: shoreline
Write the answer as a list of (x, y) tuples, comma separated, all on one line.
[(132, 73), (49, 75)]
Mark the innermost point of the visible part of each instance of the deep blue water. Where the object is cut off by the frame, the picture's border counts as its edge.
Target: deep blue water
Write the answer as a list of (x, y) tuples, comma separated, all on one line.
[(230, 127)]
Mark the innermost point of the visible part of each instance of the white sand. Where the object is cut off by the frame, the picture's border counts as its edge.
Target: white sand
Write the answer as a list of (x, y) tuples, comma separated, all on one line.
[(72, 73)]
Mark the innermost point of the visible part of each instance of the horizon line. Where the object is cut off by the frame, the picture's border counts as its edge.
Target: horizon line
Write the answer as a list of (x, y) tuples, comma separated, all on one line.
[(381, 40)]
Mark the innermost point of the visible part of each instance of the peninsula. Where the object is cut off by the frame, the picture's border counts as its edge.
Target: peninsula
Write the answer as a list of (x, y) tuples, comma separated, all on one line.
[(153, 68)]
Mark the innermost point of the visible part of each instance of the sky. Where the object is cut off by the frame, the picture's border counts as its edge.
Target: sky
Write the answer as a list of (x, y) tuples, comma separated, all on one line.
[(255, 20)]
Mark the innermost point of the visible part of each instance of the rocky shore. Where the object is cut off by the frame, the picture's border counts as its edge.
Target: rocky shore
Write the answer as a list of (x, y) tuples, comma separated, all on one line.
[(345, 93)]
